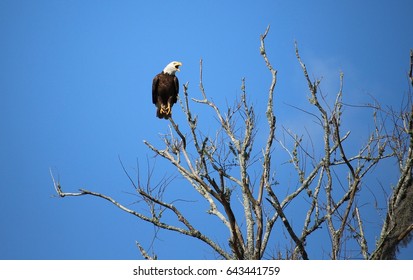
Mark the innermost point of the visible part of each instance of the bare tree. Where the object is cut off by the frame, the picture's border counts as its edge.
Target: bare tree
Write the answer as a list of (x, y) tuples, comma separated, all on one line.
[(398, 225), (232, 167)]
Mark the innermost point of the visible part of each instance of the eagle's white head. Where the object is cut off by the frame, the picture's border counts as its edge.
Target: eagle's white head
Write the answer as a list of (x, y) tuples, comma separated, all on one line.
[(172, 67)]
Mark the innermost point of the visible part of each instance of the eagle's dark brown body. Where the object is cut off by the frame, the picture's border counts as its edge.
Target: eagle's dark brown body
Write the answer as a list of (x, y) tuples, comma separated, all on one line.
[(165, 89)]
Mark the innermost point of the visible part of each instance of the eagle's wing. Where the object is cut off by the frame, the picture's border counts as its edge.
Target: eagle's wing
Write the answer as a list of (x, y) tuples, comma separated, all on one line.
[(155, 89), (176, 82)]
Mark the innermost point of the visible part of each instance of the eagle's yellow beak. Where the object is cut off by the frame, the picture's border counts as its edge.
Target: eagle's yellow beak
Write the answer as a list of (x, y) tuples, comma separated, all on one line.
[(177, 66)]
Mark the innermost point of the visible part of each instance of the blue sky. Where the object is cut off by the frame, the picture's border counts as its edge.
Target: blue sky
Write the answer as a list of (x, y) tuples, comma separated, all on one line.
[(75, 88)]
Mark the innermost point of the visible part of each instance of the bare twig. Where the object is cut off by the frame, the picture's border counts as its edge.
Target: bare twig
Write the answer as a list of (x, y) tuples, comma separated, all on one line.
[(144, 253)]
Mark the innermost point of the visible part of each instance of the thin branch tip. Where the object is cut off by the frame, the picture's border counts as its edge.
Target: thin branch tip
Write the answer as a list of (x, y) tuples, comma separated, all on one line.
[(266, 32)]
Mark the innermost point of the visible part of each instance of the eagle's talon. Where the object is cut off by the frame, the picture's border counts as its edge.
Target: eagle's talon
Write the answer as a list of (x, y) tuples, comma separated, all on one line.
[(165, 110)]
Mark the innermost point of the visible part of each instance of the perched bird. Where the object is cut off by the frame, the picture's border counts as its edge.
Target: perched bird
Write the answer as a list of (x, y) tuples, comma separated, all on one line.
[(165, 89)]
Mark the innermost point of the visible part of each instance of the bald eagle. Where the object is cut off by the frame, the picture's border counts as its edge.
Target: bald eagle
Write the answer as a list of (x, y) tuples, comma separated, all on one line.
[(165, 89)]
